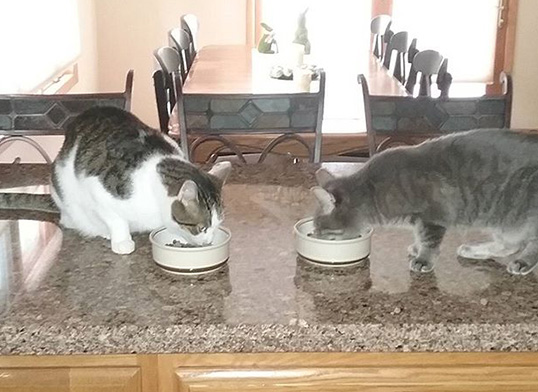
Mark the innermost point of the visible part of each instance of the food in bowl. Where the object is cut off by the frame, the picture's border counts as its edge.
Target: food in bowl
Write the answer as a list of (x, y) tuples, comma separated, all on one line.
[(331, 252), (313, 234), (179, 244), (179, 258)]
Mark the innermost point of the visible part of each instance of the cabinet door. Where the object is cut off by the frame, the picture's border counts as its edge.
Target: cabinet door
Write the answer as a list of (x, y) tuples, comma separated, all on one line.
[(359, 379), (120, 379)]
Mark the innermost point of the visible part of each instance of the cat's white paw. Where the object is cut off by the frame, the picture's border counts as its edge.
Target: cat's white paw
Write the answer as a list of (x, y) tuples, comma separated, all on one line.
[(521, 267), (124, 247), (420, 265)]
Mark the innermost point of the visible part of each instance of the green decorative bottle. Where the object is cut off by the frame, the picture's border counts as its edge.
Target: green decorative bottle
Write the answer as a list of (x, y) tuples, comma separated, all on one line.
[(301, 34), (267, 42)]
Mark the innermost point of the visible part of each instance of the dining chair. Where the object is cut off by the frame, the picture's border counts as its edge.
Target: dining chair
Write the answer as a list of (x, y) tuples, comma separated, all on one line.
[(399, 44), (428, 63), (190, 23), (215, 117), (444, 79), (164, 98), (26, 115), (412, 75), (169, 62), (378, 27), (406, 120), (168, 59), (179, 39)]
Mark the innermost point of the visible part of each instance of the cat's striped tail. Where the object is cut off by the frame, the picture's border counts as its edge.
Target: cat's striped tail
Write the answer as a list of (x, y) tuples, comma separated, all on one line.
[(28, 201)]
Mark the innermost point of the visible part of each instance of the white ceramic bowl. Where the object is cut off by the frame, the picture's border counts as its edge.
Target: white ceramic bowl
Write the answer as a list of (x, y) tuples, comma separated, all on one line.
[(188, 261), (329, 252)]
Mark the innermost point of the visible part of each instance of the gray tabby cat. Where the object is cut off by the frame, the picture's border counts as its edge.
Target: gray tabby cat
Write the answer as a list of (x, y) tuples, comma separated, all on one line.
[(114, 176), (482, 178)]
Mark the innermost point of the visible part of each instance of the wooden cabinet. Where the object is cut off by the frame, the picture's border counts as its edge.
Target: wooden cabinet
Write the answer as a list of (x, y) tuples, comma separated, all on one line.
[(291, 372), (112, 373), (354, 372), (122, 379), (389, 379)]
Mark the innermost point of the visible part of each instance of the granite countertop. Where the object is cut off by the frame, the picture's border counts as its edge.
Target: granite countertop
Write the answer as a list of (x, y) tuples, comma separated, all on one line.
[(62, 294)]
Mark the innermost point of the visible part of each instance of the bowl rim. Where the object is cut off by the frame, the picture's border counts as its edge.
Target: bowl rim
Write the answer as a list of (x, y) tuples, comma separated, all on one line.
[(300, 222), (190, 250)]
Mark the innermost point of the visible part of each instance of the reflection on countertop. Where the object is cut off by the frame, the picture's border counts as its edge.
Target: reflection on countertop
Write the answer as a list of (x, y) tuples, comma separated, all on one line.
[(62, 293)]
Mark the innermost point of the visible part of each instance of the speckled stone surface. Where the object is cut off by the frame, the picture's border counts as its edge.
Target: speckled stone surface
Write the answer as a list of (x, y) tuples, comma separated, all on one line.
[(63, 294)]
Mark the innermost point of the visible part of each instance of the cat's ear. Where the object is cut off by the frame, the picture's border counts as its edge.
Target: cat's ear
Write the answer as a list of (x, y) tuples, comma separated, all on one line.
[(221, 171), (324, 177), (325, 199), (188, 192)]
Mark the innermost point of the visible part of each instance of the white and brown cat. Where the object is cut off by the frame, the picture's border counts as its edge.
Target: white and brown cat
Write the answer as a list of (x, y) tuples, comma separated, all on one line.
[(115, 176)]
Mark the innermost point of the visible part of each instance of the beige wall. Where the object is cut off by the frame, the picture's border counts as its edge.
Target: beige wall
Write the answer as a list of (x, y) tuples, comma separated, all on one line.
[(129, 31), (525, 72)]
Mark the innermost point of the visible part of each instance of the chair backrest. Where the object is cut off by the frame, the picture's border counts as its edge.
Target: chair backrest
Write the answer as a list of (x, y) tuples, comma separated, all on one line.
[(428, 63), (41, 114), (378, 26), (395, 120), (213, 115), (179, 39), (190, 23), (412, 75), (399, 44), (168, 59)]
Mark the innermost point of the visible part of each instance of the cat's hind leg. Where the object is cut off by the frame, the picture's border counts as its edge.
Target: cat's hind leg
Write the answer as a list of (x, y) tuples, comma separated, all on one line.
[(496, 249), (527, 261), (428, 238), (487, 250)]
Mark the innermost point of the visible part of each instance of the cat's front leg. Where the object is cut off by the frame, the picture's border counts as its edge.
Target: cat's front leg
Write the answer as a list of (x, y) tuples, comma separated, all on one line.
[(428, 238), (121, 241)]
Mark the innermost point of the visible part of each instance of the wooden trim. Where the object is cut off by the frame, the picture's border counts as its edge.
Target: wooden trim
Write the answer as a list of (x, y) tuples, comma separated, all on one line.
[(504, 46), (61, 83), (251, 23), (510, 39), (381, 7), (70, 82), (14, 361), (276, 360), (258, 6)]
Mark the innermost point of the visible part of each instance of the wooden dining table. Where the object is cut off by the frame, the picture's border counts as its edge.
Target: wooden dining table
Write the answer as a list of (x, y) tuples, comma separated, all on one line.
[(235, 69), (240, 69)]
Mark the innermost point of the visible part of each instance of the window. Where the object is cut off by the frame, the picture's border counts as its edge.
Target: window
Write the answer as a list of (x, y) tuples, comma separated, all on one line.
[(339, 34), (463, 31), (39, 40)]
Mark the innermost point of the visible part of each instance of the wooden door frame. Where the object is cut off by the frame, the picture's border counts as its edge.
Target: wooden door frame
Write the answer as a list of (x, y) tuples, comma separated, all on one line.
[(505, 44)]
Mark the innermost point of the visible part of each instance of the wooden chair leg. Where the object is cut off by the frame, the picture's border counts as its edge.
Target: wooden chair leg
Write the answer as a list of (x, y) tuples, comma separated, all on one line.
[(27, 140), (281, 139), (203, 139)]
